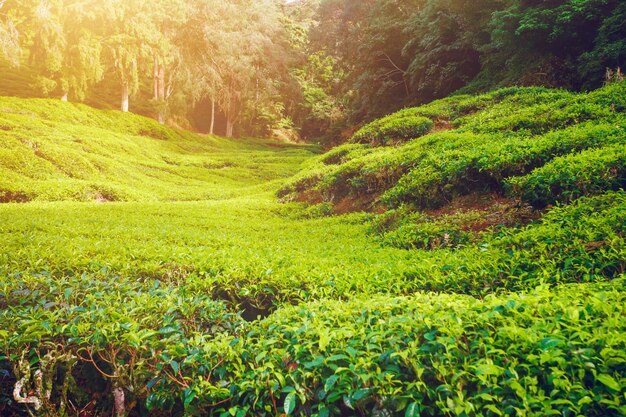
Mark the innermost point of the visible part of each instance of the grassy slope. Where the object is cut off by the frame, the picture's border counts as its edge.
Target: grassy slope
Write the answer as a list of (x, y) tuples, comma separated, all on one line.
[(58, 151), (515, 141), (196, 234)]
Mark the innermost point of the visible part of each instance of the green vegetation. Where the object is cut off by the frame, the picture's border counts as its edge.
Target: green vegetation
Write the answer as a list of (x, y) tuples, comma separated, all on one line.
[(152, 271), (389, 54), (396, 128), (307, 68), (528, 141), (59, 151), (547, 352)]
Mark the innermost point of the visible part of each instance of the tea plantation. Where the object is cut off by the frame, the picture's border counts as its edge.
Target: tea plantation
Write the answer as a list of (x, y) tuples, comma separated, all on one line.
[(463, 258)]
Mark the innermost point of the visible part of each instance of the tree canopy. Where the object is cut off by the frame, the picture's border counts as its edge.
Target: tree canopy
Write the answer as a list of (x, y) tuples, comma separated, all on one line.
[(317, 67)]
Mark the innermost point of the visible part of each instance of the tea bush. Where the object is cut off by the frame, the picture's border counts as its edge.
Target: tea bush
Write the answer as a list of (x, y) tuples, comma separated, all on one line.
[(54, 151), (256, 254), (495, 138), (393, 129), (569, 177), (536, 354), (178, 285)]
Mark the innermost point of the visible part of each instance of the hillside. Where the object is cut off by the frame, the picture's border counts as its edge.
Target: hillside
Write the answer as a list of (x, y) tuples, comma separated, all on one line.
[(463, 258), (53, 151), (536, 145)]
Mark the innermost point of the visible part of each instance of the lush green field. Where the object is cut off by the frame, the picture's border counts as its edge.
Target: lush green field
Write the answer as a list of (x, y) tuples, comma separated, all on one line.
[(158, 267), (59, 151)]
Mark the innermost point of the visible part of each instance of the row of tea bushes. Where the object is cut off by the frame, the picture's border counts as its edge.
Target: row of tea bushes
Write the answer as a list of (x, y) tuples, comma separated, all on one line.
[(572, 176), (214, 249), (487, 150), (543, 352), (548, 352)]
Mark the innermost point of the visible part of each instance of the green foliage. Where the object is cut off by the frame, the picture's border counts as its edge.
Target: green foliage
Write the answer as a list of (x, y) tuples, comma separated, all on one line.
[(569, 177), (201, 295), (541, 351), (609, 47), (398, 53), (393, 129), (552, 38), (326, 65), (534, 353), (17, 82), (58, 151), (321, 110), (487, 143), (405, 228)]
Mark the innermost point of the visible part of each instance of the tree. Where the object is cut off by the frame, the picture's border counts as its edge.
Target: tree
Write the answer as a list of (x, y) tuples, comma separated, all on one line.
[(366, 39), (444, 46), (9, 36), (609, 49), (64, 51), (545, 42), (201, 55), (129, 34), (233, 55), (169, 18)]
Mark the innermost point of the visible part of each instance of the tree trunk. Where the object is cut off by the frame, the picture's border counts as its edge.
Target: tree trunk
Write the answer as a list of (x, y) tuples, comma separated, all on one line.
[(119, 401), (161, 82), (161, 93), (125, 96), (212, 116), (230, 127), (155, 79), (231, 117)]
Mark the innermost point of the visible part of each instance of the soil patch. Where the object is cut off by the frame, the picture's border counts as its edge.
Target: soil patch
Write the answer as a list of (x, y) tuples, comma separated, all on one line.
[(13, 197), (442, 126), (355, 203), (495, 210)]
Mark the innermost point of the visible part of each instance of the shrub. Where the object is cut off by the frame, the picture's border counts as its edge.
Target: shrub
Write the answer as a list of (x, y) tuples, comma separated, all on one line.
[(393, 130), (569, 177), (503, 134), (539, 353)]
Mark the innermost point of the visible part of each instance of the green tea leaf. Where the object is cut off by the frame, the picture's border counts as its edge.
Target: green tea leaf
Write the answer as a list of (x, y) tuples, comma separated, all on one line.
[(188, 396), (413, 410), (609, 382), (290, 403), (361, 393), (488, 369), (550, 342), (330, 383)]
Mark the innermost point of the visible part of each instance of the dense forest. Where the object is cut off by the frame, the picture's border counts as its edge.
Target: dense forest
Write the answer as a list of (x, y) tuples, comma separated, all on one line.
[(311, 68)]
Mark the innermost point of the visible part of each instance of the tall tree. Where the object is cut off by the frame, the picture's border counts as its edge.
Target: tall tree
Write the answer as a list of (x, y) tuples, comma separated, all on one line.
[(609, 49), (9, 35), (64, 51), (201, 55), (444, 46), (542, 42), (236, 51), (169, 18), (129, 34), (367, 39)]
